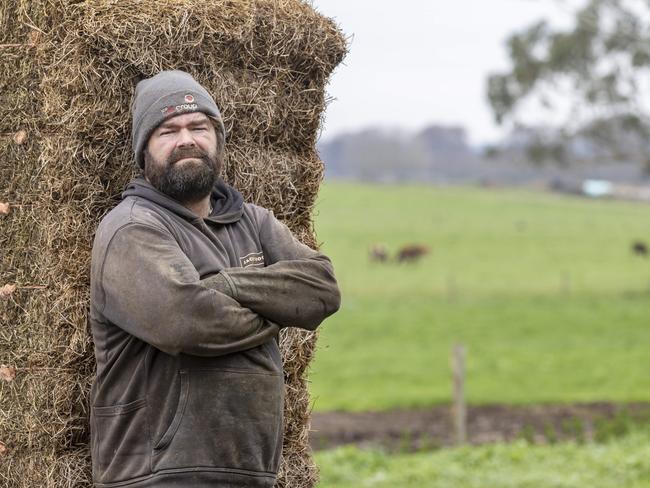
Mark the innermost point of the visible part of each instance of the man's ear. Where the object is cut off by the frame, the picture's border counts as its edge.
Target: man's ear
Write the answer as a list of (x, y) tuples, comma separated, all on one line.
[(217, 125), (145, 158)]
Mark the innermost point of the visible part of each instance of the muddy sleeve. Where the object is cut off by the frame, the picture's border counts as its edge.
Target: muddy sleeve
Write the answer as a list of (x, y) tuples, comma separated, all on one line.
[(152, 290), (297, 286)]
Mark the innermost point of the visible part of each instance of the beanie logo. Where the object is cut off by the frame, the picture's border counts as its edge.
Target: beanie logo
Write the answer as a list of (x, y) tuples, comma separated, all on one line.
[(183, 107), (189, 98)]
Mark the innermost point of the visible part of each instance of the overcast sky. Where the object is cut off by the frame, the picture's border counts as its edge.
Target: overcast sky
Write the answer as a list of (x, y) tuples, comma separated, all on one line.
[(417, 62)]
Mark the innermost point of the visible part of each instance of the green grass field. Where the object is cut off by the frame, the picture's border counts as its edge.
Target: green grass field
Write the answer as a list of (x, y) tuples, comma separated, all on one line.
[(542, 289), (621, 463)]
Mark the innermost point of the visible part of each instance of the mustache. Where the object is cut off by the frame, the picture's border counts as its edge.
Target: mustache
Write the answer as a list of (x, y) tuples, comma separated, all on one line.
[(190, 152)]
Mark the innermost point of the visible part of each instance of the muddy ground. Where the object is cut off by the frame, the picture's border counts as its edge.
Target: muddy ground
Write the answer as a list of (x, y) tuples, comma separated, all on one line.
[(406, 430)]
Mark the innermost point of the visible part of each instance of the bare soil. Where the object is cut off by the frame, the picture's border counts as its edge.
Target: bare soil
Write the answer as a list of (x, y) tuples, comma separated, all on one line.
[(434, 427)]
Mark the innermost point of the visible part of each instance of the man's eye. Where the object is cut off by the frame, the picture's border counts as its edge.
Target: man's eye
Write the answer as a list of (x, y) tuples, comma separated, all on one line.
[(200, 128), (165, 132)]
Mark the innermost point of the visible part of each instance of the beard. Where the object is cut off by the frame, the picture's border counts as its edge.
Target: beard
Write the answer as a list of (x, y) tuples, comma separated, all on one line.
[(187, 182)]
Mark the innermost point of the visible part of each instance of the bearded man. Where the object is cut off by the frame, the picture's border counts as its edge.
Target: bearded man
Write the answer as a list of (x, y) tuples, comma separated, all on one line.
[(190, 286)]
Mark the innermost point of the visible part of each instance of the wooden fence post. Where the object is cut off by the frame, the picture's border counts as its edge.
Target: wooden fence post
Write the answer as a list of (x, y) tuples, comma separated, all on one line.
[(459, 409)]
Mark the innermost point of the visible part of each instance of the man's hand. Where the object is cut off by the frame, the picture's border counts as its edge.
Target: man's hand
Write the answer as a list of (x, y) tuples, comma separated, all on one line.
[(150, 288), (297, 287)]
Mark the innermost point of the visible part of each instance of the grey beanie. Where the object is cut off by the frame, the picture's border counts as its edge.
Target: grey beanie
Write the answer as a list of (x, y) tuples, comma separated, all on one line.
[(163, 96)]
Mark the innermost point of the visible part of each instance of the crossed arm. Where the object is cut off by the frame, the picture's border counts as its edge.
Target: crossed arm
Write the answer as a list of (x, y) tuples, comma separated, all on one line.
[(299, 289), (152, 290)]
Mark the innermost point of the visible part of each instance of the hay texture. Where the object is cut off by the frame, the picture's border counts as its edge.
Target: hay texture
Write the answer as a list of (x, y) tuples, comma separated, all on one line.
[(67, 73)]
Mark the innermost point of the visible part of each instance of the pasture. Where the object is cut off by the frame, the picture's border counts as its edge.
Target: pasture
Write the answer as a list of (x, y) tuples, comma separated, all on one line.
[(543, 290), (623, 462)]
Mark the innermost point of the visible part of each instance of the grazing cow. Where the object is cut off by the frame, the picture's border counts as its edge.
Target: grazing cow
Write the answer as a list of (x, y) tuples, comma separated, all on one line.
[(412, 253), (640, 248), (378, 253)]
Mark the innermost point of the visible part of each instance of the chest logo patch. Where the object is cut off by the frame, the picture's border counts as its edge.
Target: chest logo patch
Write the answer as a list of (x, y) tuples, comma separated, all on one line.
[(252, 259)]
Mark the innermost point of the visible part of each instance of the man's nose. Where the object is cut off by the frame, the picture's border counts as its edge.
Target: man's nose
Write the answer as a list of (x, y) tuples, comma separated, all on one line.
[(185, 138)]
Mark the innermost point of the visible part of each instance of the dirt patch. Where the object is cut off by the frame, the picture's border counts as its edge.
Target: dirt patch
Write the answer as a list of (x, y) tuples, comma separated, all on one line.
[(434, 427)]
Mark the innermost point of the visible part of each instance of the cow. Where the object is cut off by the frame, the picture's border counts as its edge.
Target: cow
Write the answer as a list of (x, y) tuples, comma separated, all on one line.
[(640, 248), (378, 253), (412, 252)]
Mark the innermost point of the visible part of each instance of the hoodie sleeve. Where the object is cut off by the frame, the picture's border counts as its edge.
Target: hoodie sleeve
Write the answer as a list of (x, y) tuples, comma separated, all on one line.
[(150, 289), (297, 288)]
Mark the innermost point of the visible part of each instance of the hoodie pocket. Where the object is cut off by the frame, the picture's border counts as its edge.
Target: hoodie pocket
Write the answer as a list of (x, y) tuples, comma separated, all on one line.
[(121, 441), (166, 438), (228, 419)]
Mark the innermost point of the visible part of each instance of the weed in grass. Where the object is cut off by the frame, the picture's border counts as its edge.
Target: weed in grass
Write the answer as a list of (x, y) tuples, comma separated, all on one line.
[(429, 443), (405, 442), (527, 434), (618, 426), (549, 433), (574, 428)]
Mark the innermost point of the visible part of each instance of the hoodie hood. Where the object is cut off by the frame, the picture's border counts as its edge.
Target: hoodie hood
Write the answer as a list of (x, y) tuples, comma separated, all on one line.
[(227, 202)]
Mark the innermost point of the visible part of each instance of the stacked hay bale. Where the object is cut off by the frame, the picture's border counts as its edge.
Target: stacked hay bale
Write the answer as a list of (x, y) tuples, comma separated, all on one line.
[(68, 73), (43, 341)]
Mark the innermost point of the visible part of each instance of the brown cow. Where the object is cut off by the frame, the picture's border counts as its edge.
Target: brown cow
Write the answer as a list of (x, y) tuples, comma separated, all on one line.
[(412, 253)]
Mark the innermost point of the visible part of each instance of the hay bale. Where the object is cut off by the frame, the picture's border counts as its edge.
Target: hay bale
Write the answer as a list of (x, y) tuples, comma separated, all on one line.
[(49, 468), (20, 100), (266, 63), (20, 18)]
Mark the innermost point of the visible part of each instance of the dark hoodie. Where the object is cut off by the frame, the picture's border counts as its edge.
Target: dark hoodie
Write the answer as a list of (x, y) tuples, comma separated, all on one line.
[(185, 313)]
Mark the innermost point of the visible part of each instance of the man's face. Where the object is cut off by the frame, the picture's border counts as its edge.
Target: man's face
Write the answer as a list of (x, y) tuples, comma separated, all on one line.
[(181, 157)]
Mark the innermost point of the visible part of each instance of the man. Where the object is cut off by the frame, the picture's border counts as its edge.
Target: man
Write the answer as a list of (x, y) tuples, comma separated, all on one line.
[(189, 288)]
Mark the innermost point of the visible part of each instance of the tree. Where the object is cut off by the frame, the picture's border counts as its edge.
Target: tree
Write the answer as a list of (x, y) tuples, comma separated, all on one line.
[(595, 76)]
